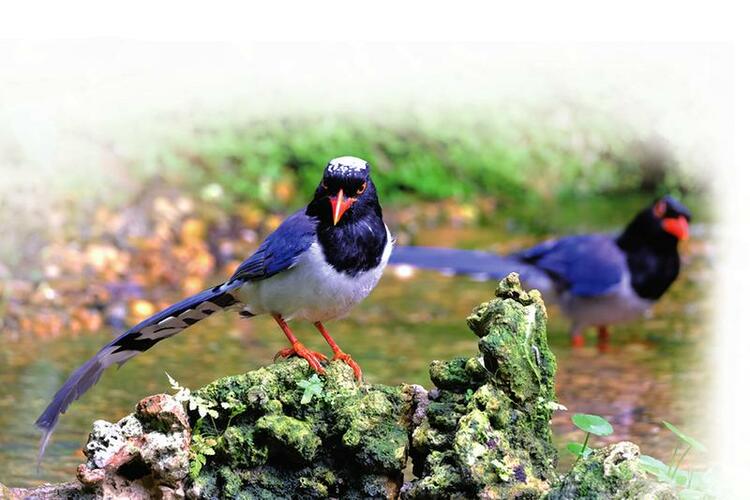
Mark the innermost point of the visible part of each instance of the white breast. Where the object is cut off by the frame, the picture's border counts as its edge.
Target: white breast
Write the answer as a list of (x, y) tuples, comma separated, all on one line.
[(312, 290)]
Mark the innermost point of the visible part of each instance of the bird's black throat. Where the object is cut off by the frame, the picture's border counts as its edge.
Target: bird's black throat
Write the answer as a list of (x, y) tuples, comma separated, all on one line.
[(356, 243), (653, 260), (356, 246)]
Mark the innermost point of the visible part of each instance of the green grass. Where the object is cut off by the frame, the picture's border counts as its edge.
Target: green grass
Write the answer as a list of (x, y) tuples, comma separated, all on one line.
[(420, 160)]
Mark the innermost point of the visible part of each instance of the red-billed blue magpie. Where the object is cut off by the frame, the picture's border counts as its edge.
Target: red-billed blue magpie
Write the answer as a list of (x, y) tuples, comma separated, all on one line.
[(316, 266), (597, 279)]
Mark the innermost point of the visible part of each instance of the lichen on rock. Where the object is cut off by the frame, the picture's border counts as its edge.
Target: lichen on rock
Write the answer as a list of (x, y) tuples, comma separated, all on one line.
[(486, 426)]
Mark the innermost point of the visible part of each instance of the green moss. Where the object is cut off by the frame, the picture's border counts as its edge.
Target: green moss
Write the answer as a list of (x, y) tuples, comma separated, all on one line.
[(443, 416), (288, 436), (277, 445), (241, 449), (486, 431), (318, 484), (454, 375)]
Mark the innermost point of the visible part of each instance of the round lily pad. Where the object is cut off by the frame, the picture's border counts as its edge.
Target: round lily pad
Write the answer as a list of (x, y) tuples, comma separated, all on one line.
[(592, 423)]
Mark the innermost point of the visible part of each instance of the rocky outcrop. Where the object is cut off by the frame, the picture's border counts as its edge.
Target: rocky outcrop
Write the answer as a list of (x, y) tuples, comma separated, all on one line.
[(282, 431), (486, 426)]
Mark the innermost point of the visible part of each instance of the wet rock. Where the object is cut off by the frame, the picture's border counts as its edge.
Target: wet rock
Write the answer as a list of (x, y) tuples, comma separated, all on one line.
[(144, 455), (71, 491), (611, 472)]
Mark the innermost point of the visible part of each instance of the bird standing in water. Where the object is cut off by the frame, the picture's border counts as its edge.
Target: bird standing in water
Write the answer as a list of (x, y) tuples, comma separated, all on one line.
[(318, 264), (596, 279)]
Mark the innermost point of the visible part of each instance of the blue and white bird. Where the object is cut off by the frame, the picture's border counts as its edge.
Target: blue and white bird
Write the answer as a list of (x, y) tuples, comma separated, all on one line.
[(320, 262), (596, 279)]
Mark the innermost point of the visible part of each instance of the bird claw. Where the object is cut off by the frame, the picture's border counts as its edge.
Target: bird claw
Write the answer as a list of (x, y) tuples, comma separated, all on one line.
[(313, 358), (340, 355)]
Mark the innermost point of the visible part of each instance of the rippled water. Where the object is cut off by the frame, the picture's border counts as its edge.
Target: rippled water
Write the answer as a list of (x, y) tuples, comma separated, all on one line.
[(654, 370)]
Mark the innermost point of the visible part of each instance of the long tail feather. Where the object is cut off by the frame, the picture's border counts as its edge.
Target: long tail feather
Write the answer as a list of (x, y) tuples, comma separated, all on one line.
[(481, 265), (140, 338), (474, 263)]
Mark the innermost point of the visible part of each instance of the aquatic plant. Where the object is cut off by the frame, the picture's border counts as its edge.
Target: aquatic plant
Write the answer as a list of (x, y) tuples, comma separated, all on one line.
[(691, 484), (590, 424)]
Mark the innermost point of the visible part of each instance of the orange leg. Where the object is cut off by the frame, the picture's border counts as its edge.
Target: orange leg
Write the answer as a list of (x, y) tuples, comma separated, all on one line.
[(337, 352), (603, 338), (576, 338), (297, 349)]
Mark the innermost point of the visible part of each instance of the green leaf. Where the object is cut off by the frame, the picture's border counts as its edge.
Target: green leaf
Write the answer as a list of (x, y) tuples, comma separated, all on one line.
[(592, 423), (312, 387), (692, 442), (578, 450), (654, 466)]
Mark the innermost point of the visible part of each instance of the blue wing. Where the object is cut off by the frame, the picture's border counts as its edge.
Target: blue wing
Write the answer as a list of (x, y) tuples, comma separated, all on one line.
[(585, 265), (280, 250)]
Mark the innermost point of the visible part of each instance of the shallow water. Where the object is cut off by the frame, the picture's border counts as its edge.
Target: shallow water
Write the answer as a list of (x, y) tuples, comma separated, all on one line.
[(654, 370)]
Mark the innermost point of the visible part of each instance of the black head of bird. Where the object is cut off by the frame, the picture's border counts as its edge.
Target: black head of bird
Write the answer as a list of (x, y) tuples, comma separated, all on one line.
[(672, 217), (345, 193), (661, 224)]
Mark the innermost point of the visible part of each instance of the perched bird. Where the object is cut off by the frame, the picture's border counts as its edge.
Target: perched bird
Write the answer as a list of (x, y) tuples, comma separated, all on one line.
[(597, 279), (318, 264)]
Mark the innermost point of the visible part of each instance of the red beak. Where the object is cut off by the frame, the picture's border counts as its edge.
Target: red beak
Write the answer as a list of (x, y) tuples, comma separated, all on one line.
[(339, 205), (678, 227)]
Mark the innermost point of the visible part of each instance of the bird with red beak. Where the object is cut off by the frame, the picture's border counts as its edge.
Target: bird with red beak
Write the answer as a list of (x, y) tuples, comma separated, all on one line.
[(597, 279), (316, 266)]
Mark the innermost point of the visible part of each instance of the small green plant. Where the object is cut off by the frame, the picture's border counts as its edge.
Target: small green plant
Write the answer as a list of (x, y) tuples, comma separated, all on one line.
[(312, 388), (202, 446), (194, 402), (691, 484), (590, 424)]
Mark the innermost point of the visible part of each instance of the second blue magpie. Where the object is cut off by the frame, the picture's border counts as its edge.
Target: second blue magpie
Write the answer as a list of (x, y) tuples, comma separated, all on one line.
[(597, 279), (320, 262)]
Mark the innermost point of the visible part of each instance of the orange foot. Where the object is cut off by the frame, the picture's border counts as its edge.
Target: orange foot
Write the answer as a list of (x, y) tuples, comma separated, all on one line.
[(603, 339), (577, 341), (313, 358), (349, 361)]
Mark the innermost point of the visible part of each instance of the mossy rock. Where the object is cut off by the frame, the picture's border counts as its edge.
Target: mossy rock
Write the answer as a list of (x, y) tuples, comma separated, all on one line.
[(611, 472), (486, 427), (270, 443)]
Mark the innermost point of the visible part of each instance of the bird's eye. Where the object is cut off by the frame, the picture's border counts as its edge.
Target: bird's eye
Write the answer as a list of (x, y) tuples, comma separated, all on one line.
[(324, 185), (362, 188), (660, 209)]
